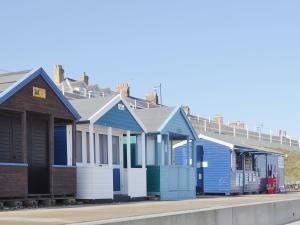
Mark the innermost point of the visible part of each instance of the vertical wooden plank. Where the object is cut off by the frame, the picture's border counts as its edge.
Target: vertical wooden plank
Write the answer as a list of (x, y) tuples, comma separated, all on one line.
[(24, 137), (51, 152), (74, 157)]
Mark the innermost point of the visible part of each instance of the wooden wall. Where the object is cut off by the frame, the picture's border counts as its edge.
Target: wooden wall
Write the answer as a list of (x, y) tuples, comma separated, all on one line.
[(64, 180), (23, 100), (13, 181)]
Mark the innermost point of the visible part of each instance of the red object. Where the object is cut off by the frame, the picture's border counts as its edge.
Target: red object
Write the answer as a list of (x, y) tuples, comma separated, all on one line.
[(271, 185)]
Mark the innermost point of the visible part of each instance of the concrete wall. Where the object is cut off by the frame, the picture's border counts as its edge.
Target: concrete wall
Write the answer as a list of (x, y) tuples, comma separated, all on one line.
[(277, 213)]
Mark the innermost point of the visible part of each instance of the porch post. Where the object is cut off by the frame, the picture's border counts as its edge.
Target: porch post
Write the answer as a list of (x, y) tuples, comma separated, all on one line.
[(188, 151), (168, 150), (193, 154), (109, 143), (74, 156), (143, 150), (91, 136), (24, 137), (128, 150), (159, 150)]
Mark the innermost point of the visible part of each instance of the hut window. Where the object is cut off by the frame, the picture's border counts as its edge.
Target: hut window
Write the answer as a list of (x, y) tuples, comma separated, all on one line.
[(79, 146), (248, 162), (150, 150), (10, 138), (116, 150), (238, 161), (88, 147), (103, 148)]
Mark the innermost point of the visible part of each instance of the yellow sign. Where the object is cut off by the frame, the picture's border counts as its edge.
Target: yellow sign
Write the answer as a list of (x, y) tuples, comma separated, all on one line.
[(39, 92)]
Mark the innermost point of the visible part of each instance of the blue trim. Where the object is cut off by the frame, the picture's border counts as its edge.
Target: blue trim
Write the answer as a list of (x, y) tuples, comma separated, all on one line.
[(13, 164), (165, 123), (28, 78)]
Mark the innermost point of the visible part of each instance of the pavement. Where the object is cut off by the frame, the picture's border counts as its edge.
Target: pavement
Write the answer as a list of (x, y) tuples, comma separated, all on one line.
[(86, 213)]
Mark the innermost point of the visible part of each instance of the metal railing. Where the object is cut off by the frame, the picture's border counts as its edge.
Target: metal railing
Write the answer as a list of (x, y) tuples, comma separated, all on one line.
[(203, 125)]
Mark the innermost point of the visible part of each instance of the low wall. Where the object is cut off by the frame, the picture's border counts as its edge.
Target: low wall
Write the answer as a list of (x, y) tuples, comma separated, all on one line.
[(277, 213)]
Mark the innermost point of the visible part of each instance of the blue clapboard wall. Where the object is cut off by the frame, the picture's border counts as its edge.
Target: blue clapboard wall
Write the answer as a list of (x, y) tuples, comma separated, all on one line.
[(119, 117)]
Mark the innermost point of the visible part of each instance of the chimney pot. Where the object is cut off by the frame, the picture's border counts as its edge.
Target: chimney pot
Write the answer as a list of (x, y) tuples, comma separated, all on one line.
[(123, 89), (218, 119), (152, 97), (85, 78), (186, 109)]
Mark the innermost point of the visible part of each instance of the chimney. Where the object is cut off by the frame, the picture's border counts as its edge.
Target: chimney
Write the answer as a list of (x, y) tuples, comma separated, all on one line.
[(58, 74), (85, 78), (218, 119), (186, 109), (238, 125), (152, 97), (123, 89)]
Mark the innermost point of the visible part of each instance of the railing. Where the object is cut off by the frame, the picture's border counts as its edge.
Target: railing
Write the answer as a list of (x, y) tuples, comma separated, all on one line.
[(203, 125)]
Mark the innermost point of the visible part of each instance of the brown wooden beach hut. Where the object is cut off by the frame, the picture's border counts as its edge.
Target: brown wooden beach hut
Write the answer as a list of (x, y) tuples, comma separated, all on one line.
[(37, 137)]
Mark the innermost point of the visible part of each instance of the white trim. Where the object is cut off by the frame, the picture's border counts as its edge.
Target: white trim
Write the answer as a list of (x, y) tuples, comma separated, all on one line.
[(201, 136), (108, 106), (69, 131), (218, 141)]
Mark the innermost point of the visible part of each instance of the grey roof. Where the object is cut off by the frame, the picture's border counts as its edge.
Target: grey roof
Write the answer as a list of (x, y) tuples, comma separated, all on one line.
[(240, 143), (153, 118), (89, 106), (8, 79)]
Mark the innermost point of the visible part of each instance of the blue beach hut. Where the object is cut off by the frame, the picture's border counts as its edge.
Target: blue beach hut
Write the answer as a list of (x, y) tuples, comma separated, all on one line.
[(227, 167), (166, 126)]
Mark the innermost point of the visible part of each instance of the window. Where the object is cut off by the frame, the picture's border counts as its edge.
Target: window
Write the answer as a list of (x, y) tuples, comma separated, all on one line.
[(88, 147), (79, 146), (116, 150), (238, 161), (103, 149), (151, 150)]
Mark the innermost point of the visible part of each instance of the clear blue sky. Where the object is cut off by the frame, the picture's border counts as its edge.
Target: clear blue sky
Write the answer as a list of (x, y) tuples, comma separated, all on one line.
[(238, 58)]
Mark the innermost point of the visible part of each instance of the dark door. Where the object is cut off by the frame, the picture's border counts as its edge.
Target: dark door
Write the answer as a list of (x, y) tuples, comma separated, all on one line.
[(200, 172), (38, 155), (60, 145)]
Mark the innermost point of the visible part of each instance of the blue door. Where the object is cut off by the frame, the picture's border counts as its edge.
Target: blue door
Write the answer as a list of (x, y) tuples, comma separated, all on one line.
[(60, 145), (199, 168), (116, 179)]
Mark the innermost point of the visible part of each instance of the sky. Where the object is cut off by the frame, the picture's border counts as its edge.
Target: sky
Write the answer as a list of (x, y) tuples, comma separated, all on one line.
[(237, 58)]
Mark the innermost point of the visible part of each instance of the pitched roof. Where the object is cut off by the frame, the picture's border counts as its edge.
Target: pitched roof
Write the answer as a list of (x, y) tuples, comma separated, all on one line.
[(153, 118), (8, 79), (87, 107), (14, 81), (237, 144)]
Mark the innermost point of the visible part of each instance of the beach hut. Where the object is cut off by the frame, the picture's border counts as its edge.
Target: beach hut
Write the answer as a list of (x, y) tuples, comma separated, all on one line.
[(107, 136), (228, 167), (37, 130), (167, 126)]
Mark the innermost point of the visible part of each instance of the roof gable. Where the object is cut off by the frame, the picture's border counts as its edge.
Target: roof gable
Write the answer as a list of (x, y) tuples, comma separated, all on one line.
[(30, 76), (118, 114), (120, 117), (178, 123)]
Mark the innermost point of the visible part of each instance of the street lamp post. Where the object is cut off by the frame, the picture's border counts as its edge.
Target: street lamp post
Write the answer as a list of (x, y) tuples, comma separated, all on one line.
[(160, 95)]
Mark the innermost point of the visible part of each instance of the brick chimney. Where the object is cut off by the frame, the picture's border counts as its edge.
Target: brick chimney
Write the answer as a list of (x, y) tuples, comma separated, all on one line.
[(123, 89), (152, 97), (238, 125), (85, 78), (58, 74), (186, 109), (218, 119)]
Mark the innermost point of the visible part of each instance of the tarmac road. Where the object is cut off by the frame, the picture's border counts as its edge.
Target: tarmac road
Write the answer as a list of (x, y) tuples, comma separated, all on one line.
[(85, 213)]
